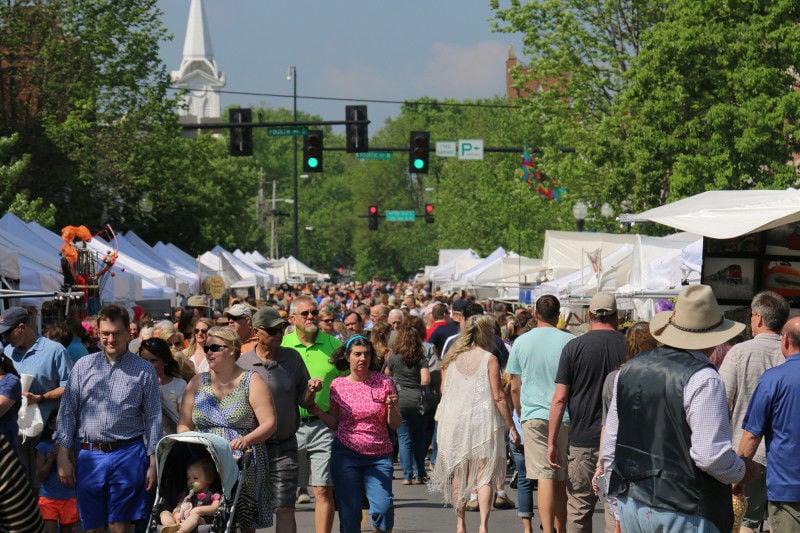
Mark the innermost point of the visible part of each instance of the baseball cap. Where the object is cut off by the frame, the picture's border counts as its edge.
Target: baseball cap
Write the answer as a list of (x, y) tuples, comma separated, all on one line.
[(238, 311), (459, 305), (11, 318), (603, 304), (268, 317)]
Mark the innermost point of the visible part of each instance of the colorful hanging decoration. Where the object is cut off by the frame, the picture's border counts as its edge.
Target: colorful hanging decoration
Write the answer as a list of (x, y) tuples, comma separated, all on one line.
[(547, 187)]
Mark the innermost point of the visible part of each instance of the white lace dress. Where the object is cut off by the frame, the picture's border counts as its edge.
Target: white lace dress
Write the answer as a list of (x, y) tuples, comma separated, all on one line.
[(470, 433)]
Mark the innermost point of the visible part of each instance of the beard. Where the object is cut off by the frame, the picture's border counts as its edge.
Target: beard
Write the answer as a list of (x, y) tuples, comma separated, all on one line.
[(310, 330)]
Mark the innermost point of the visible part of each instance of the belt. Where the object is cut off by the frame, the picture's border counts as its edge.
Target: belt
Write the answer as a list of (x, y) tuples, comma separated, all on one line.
[(306, 419), (108, 446)]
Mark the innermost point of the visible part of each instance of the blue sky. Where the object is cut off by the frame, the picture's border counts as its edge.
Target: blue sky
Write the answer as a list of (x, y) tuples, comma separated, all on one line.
[(362, 49)]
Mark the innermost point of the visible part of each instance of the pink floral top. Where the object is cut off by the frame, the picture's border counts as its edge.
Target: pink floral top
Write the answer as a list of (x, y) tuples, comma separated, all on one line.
[(362, 413)]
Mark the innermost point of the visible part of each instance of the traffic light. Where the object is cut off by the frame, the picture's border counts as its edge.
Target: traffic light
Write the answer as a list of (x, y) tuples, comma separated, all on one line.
[(357, 135), (373, 217), (312, 151), (241, 137), (418, 150), (429, 213)]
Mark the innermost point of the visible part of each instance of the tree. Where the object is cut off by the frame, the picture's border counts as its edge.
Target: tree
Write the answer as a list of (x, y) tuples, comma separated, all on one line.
[(712, 102)]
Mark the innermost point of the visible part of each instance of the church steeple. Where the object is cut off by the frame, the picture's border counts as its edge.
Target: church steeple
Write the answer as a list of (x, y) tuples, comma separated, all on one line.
[(198, 71)]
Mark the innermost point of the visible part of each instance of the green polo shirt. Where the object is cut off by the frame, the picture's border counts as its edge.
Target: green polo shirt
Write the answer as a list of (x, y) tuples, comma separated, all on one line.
[(317, 359)]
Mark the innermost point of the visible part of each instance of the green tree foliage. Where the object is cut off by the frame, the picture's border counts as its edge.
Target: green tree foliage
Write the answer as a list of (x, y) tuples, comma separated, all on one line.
[(711, 103), (84, 87)]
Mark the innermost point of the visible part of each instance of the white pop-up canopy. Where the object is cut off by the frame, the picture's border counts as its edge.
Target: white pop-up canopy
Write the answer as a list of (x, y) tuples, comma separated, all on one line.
[(725, 214)]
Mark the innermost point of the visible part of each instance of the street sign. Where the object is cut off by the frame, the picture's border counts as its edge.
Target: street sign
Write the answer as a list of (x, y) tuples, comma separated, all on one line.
[(287, 131), (400, 216), (383, 156), (471, 149), (446, 148)]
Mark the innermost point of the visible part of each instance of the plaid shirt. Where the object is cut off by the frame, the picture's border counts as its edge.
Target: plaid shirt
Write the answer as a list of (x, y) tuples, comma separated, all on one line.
[(105, 402)]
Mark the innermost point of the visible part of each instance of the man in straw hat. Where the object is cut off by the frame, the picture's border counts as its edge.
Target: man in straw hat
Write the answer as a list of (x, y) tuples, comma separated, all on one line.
[(667, 441)]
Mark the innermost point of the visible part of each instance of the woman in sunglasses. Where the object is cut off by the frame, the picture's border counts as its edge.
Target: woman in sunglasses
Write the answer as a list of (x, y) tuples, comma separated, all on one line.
[(235, 404), (156, 351), (195, 352), (363, 405)]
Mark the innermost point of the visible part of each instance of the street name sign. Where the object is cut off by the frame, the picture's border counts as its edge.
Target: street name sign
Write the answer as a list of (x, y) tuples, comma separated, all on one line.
[(470, 149), (400, 216), (287, 131), (446, 148), (382, 156)]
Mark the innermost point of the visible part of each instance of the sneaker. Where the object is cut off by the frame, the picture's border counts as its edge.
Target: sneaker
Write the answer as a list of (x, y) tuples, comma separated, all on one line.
[(503, 502), (303, 497), (472, 506)]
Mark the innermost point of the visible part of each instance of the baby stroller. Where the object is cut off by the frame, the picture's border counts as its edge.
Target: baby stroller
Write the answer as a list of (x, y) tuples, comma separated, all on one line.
[(174, 453)]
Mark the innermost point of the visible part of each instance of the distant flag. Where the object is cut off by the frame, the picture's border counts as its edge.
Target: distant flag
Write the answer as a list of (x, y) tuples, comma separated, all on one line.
[(547, 187)]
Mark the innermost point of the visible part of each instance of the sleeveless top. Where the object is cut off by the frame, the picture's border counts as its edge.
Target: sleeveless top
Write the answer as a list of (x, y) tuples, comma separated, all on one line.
[(471, 432)]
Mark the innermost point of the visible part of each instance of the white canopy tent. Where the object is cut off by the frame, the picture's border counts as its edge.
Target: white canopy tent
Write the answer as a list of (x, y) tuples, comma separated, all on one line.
[(726, 214), (185, 279)]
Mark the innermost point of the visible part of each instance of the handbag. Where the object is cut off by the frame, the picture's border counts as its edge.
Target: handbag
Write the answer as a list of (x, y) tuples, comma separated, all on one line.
[(428, 401), (29, 420)]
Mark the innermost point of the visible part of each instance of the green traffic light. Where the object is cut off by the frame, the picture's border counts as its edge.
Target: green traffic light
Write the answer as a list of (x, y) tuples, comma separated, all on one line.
[(313, 162), (418, 164)]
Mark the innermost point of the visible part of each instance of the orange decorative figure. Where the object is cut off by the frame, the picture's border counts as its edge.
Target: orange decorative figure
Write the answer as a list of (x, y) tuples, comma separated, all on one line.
[(67, 250)]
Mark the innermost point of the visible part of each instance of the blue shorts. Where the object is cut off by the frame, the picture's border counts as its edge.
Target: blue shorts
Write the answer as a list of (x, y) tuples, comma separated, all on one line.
[(111, 485)]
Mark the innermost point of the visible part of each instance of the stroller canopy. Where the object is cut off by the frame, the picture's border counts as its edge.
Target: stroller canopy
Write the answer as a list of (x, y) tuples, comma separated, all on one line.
[(218, 447)]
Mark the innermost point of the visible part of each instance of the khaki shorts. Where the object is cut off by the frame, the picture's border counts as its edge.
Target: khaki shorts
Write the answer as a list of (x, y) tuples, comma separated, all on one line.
[(534, 435)]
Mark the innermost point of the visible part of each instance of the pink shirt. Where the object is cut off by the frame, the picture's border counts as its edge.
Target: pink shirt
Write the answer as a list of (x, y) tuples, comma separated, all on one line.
[(362, 420)]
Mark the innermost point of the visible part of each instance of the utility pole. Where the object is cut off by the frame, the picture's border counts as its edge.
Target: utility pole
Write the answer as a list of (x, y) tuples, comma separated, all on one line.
[(292, 76)]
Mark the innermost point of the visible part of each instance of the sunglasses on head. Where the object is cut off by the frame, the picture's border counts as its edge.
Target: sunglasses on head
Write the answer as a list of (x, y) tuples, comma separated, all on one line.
[(214, 348), (313, 312), (203, 331)]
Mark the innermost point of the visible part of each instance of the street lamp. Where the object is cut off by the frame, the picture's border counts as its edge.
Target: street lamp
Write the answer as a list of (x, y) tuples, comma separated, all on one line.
[(606, 210), (292, 76), (579, 211)]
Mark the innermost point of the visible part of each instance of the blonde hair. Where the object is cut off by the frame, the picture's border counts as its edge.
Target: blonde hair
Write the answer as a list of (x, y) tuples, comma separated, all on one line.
[(478, 331), (193, 343), (230, 337)]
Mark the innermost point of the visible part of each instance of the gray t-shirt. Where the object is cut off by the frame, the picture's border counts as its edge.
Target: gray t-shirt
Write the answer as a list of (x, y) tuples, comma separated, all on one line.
[(406, 380), (287, 378)]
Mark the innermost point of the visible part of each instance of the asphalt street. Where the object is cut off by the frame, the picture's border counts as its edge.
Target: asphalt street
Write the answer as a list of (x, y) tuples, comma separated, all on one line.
[(416, 510)]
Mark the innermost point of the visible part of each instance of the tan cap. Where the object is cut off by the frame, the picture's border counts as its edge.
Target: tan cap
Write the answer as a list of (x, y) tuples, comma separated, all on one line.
[(603, 304)]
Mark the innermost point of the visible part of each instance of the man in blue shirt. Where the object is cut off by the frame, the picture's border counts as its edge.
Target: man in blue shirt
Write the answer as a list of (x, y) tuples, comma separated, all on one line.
[(773, 413), (111, 414), (49, 364)]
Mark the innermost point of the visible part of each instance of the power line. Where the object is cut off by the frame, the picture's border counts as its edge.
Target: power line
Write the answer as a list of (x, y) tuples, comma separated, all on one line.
[(368, 100)]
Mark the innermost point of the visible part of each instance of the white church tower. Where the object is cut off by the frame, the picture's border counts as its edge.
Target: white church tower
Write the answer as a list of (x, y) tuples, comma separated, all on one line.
[(198, 72)]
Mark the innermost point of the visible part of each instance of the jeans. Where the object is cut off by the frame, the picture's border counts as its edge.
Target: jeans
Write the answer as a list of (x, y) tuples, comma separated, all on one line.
[(353, 472), (434, 444), (635, 517), (524, 485), (411, 441)]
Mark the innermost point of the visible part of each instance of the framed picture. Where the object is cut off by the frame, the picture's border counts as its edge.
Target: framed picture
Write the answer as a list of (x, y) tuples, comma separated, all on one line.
[(732, 278), (783, 277), (783, 240), (743, 245)]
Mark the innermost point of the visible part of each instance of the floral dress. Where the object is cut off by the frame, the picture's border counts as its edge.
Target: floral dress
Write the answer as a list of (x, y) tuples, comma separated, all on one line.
[(232, 417)]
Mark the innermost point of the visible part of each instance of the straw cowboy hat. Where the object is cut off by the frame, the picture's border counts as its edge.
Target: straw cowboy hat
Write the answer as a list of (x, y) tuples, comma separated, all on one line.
[(696, 322)]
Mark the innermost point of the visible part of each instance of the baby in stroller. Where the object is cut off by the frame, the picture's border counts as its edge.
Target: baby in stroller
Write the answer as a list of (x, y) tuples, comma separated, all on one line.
[(198, 506)]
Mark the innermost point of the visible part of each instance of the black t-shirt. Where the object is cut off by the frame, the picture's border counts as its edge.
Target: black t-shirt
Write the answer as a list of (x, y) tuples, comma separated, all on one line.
[(585, 363), (442, 333)]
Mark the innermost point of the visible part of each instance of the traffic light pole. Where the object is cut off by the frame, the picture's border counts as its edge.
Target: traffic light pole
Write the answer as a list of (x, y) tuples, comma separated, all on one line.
[(295, 230)]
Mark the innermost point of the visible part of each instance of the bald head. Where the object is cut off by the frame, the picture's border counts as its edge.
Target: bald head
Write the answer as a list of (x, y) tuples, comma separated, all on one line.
[(790, 343)]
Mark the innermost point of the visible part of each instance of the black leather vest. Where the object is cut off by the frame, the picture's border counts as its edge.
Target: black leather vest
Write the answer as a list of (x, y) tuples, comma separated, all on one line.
[(652, 462)]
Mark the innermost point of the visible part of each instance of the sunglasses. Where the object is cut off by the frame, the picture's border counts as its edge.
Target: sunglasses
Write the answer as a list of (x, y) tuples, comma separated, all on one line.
[(214, 348), (313, 312), (378, 395), (203, 331), (178, 344), (327, 320), (277, 330)]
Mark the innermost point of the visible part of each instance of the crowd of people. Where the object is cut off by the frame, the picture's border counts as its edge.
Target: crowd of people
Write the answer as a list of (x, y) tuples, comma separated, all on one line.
[(325, 388)]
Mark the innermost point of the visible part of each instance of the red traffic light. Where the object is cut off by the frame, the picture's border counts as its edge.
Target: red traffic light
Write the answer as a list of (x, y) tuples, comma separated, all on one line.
[(429, 213), (373, 210)]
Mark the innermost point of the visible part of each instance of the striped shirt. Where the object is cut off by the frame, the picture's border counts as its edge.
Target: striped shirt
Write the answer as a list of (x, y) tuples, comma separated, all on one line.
[(19, 511), (105, 402)]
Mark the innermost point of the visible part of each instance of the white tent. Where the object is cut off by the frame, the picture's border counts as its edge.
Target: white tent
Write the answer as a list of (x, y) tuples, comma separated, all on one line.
[(726, 214), (566, 252), (451, 264), (185, 279)]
